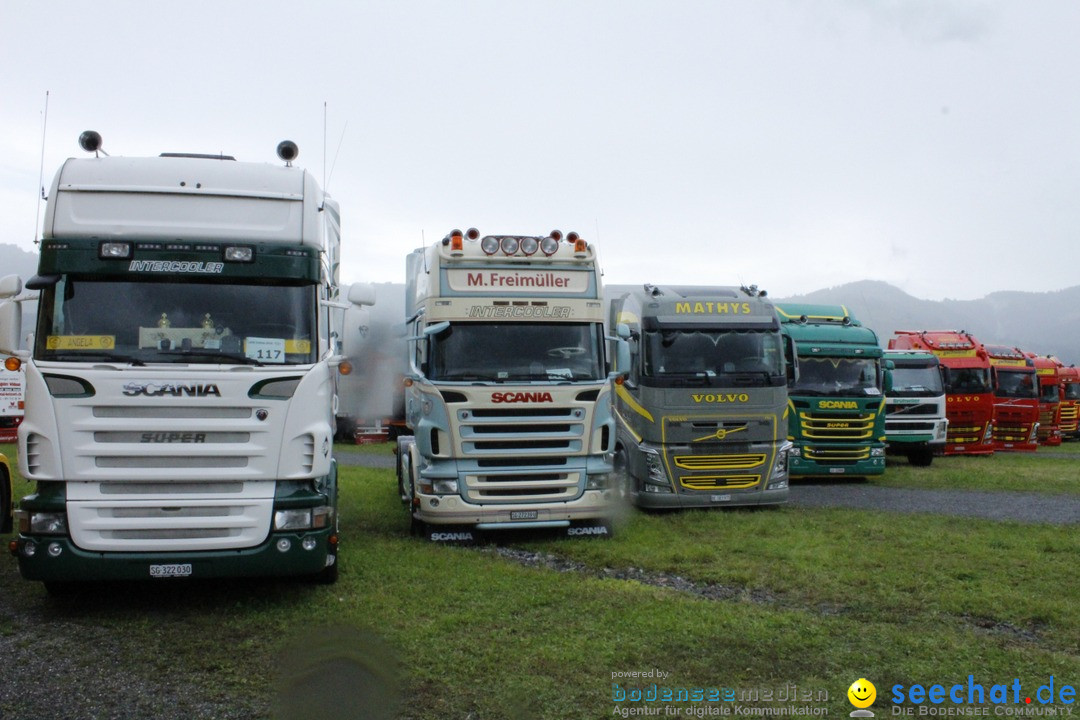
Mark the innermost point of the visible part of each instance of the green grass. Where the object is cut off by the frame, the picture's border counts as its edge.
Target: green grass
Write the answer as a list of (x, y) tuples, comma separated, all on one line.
[(815, 598), (1053, 470)]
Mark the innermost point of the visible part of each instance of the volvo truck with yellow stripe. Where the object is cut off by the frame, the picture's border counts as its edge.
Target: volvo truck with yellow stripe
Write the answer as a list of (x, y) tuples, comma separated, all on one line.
[(702, 413), (508, 389), (181, 378), (838, 401)]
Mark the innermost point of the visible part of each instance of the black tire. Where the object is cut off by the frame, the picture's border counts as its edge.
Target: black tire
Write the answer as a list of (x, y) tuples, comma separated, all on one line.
[(6, 522), (921, 457)]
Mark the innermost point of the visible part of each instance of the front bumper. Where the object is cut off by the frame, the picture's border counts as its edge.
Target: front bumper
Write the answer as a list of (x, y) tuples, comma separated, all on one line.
[(454, 510), (57, 558)]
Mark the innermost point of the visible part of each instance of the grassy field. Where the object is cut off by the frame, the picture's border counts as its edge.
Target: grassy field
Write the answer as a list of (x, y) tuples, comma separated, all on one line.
[(536, 627)]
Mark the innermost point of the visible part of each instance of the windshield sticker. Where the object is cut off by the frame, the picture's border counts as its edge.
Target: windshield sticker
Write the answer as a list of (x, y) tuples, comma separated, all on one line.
[(297, 347), (81, 342), (265, 350)]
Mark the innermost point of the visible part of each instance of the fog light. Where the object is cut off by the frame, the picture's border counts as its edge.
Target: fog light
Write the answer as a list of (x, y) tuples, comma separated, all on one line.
[(283, 545), (877, 452), (309, 543), (778, 485), (55, 549), (29, 549)]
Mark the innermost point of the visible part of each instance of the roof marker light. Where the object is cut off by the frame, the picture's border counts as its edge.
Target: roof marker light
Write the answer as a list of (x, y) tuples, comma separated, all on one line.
[(114, 250), (457, 243), (472, 233)]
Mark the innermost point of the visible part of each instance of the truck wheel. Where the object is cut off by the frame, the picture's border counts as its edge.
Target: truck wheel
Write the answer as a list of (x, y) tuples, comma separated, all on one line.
[(921, 457), (624, 484), (404, 474), (5, 501)]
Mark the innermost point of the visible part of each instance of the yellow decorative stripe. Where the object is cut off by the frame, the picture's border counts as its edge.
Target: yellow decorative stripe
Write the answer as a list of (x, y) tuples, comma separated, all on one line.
[(706, 482), (719, 462), (627, 398)]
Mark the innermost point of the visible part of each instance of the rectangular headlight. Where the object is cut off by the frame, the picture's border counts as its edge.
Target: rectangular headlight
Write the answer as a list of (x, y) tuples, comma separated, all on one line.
[(42, 523), (292, 519)]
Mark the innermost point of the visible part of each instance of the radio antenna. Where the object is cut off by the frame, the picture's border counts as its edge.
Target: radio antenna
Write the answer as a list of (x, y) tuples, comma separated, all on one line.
[(41, 170)]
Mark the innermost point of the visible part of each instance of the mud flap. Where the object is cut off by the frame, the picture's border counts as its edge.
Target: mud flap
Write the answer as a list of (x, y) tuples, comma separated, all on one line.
[(591, 529), (452, 534)]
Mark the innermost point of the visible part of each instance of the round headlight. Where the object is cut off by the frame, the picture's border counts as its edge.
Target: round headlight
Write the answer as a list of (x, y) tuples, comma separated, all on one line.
[(549, 245), (509, 244), (529, 245), (490, 245)]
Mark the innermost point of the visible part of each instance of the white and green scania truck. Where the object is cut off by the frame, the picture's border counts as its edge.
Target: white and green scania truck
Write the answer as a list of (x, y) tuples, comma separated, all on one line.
[(180, 388), (508, 395), (702, 415)]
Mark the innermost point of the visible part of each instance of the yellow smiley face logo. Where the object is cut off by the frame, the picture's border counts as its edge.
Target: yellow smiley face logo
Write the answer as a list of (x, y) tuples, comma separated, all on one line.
[(862, 693)]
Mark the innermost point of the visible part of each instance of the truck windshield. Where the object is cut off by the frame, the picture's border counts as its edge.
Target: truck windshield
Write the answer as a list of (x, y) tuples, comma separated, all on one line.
[(966, 380), (1015, 384), (1049, 393), (916, 381), (837, 376), (92, 320), (712, 357), (517, 352), (1071, 391)]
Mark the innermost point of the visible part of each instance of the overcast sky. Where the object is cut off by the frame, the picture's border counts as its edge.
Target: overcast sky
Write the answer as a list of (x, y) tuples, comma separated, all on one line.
[(933, 144)]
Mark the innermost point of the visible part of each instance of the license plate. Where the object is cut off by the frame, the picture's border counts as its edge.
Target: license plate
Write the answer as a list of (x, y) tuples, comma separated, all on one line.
[(836, 471), (719, 498), (178, 570), (523, 514)]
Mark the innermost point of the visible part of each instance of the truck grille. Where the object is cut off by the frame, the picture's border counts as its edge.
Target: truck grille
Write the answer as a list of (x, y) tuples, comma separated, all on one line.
[(159, 525), (517, 487), (836, 455), (846, 426), (535, 431), (719, 462), (521, 454), (716, 482)]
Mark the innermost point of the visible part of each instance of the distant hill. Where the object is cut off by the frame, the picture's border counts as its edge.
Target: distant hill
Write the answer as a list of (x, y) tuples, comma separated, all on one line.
[(1043, 323), (16, 261)]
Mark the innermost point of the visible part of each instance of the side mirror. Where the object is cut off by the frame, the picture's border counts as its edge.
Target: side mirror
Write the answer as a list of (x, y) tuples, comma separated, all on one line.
[(10, 286), (362, 294), (622, 330), (10, 326), (622, 357), (791, 361)]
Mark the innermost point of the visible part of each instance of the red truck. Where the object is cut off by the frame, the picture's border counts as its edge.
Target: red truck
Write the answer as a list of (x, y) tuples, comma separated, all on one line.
[(1046, 369), (969, 394), (1070, 400), (1016, 399)]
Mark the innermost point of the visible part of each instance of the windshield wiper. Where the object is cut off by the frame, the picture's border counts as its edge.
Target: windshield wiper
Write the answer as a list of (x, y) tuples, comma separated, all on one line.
[(89, 357), (225, 357)]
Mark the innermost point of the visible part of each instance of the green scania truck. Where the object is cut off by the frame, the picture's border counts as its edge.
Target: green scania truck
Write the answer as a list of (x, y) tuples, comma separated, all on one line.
[(837, 403), (702, 414)]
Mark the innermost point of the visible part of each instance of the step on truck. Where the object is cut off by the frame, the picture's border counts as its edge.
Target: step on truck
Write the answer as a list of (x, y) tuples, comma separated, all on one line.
[(837, 402), (702, 413), (915, 422), (508, 392), (969, 394), (180, 386), (11, 398), (1016, 399)]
